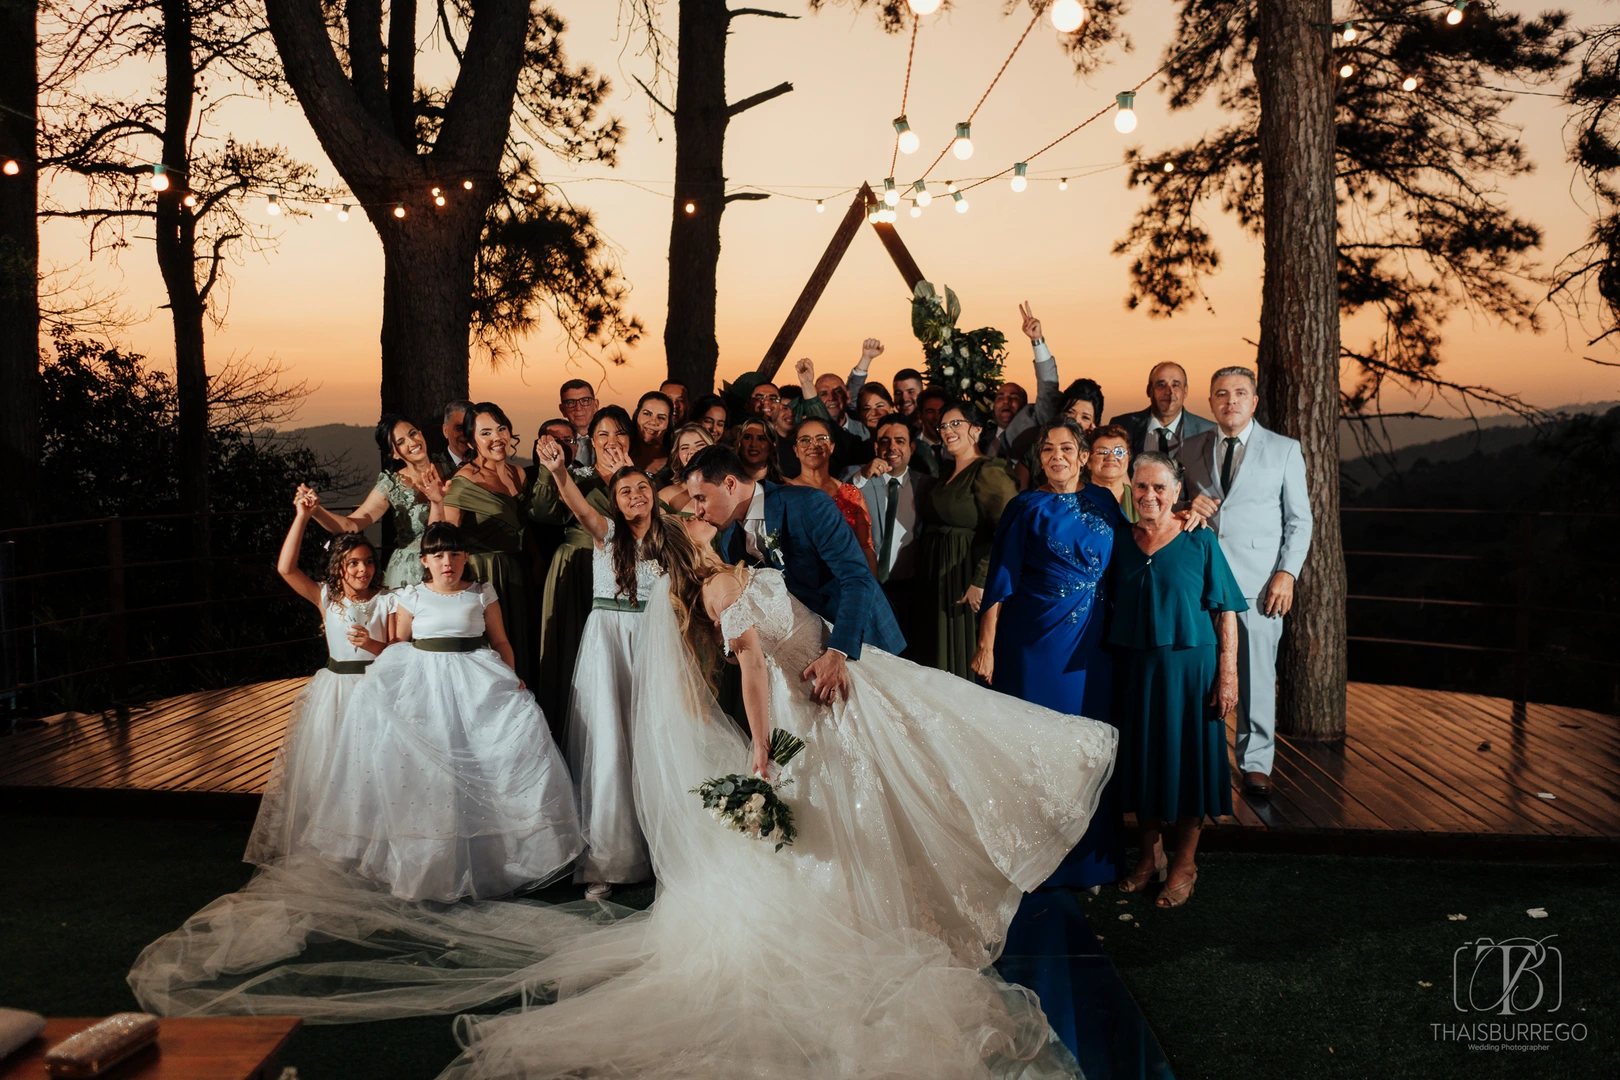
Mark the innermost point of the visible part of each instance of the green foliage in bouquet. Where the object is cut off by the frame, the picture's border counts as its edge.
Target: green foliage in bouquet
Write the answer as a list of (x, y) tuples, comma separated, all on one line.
[(965, 363), (750, 805)]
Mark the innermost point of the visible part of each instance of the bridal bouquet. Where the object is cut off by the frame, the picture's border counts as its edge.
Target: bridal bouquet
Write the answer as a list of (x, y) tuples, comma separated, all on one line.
[(966, 363), (749, 804)]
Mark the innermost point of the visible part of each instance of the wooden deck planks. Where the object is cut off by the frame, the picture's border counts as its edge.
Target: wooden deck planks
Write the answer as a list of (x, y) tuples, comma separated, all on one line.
[(1410, 765)]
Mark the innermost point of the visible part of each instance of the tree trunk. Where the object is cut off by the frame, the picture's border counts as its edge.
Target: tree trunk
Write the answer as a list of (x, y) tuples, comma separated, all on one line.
[(1299, 341), (427, 306), (19, 267), (701, 117)]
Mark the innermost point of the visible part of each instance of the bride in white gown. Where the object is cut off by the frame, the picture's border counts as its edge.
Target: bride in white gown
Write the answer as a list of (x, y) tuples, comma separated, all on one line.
[(925, 808)]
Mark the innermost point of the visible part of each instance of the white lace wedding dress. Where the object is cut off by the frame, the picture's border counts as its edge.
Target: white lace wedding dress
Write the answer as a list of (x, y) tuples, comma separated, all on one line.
[(925, 807)]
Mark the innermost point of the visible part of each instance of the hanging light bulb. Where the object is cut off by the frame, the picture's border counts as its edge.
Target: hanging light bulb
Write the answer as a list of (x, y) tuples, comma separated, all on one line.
[(160, 178), (1020, 180), (1347, 70), (190, 199), (533, 187), (908, 138), (1067, 15), (1455, 15), (924, 7), (1063, 183), (922, 197), (437, 192), (399, 209), (961, 202), (1169, 166), (916, 211), (962, 147), (1349, 33), (1125, 118), (892, 216), (1409, 84), (950, 187), (874, 215), (271, 206), (691, 208), (820, 207), (438, 200), (328, 203), (343, 212), (11, 168), (467, 184), (891, 195)]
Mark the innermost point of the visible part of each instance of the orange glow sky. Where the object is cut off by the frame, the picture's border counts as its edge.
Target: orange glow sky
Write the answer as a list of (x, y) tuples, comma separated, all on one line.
[(314, 303)]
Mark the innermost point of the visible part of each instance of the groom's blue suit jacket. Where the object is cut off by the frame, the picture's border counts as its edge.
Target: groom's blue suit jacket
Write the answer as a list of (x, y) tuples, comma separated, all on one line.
[(823, 566)]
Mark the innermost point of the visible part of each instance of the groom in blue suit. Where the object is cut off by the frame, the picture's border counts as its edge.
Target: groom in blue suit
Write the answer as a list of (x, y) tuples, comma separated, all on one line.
[(801, 532)]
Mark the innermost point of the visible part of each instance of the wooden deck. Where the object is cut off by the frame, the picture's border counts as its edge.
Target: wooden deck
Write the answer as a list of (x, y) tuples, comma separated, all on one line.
[(1422, 772)]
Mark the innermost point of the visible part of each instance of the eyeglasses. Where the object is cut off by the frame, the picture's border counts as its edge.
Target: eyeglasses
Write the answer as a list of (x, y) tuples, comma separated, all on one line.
[(814, 440), (952, 425), (577, 403), (1114, 452), (766, 399)]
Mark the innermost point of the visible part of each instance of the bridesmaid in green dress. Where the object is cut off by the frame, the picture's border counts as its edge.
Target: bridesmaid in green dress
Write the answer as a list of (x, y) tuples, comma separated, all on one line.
[(566, 599), (410, 492), (959, 518), (1175, 677), (486, 499)]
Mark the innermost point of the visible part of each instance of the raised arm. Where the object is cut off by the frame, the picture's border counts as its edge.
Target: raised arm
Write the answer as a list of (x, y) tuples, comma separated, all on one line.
[(359, 519), (871, 349), (287, 561), (549, 453), (1047, 393)]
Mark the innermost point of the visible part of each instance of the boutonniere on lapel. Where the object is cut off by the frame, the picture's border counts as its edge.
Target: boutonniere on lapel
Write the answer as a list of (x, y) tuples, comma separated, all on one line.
[(773, 548)]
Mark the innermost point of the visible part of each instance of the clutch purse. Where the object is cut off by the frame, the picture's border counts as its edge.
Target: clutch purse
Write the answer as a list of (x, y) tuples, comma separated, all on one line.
[(17, 1028), (101, 1046)]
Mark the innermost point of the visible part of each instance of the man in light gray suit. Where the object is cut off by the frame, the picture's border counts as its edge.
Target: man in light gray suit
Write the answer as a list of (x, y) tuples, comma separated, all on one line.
[(1164, 425), (1249, 483)]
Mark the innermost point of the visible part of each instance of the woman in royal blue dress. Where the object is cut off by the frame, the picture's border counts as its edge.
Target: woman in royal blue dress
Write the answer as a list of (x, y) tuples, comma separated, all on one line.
[(1041, 623)]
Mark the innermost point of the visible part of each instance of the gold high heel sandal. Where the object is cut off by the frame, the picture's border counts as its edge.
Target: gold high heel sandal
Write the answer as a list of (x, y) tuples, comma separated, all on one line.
[(1180, 894), (1133, 884)]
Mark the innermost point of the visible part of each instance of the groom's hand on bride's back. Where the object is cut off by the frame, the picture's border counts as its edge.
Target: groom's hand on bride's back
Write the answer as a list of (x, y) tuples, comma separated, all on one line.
[(830, 673)]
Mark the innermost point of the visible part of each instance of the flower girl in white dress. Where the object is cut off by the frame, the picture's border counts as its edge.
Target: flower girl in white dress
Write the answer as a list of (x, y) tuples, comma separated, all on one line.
[(633, 543), (445, 783), (355, 614)]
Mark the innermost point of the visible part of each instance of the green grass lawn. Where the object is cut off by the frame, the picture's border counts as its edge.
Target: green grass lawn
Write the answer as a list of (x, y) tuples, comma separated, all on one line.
[(1280, 966)]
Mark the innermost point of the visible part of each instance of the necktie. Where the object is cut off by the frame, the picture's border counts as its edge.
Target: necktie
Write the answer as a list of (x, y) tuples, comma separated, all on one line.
[(886, 556), (1164, 440), (1226, 464)]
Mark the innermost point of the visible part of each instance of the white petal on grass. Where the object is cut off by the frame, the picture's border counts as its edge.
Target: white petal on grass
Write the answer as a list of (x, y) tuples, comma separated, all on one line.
[(1537, 912)]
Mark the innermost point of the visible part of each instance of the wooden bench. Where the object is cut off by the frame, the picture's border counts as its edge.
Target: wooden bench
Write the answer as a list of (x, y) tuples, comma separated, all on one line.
[(188, 1048)]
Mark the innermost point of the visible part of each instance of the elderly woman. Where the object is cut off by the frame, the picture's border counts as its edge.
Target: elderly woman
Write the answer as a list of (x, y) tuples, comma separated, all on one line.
[(1175, 637)]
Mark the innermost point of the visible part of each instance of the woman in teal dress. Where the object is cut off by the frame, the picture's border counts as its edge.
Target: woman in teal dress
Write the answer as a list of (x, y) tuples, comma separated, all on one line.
[(409, 492), (486, 499), (1175, 637), (959, 516)]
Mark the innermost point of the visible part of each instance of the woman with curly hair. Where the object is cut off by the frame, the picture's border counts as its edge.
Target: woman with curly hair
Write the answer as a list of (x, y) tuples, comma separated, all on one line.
[(355, 614)]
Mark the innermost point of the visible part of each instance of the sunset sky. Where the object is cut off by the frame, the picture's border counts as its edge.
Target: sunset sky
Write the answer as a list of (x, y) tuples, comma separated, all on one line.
[(314, 303)]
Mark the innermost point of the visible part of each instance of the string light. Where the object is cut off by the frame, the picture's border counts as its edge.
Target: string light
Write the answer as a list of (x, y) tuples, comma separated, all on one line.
[(820, 207), (1409, 84), (1020, 180), (1067, 15), (962, 146), (961, 202), (437, 192), (467, 184), (438, 200), (1347, 70), (950, 187), (1349, 33), (160, 178), (922, 197), (1169, 166), (909, 140), (916, 211), (533, 187), (190, 199), (1455, 15), (1125, 118), (924, 7), (691, 208), (328, 203), (10, 168), (891, 196), (343, 212), (271, 206), (399, 209), (1063, 183)]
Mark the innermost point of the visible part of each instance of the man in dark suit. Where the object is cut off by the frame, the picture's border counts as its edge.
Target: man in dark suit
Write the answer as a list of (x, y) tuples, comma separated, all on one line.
[(801, 532), (894, 493), (1164, 425), (457, 451)]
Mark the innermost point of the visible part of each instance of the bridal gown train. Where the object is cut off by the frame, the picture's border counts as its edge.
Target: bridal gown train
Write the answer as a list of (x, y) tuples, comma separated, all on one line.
[(925, 806)]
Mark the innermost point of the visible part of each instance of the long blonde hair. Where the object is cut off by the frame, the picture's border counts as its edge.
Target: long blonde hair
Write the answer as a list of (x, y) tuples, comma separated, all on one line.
[(687, 577)]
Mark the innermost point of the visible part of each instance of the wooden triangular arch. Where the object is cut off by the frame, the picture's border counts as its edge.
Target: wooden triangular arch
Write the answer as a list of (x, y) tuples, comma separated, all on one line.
[(865, 199)]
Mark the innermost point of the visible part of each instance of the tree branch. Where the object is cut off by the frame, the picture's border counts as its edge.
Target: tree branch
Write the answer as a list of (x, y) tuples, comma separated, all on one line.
[(735, 13), (746, 196), (648, 91), (757, 99), (402, 70)]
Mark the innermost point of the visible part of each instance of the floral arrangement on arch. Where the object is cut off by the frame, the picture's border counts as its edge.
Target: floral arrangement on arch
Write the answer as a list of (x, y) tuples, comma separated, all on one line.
[(967, 363)]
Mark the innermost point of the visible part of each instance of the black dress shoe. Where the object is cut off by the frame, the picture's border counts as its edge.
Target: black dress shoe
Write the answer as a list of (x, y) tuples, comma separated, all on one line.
[(1257, 784)]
